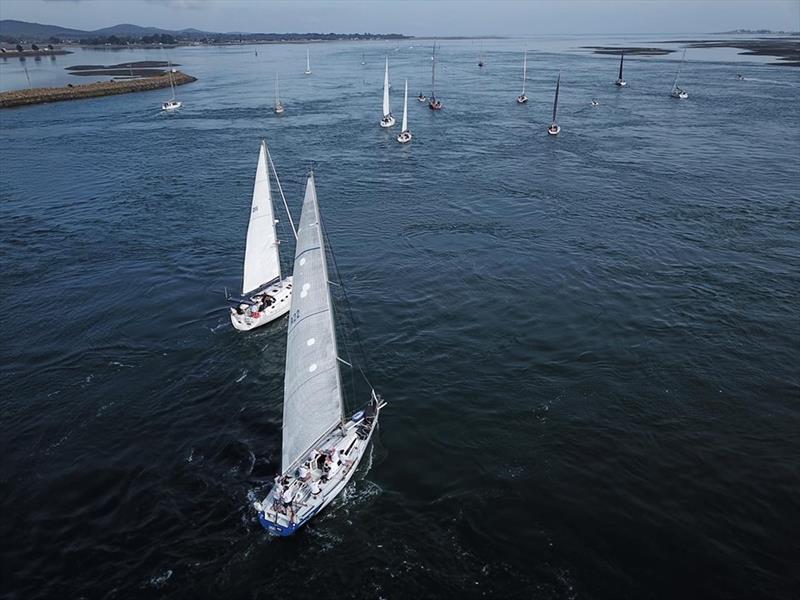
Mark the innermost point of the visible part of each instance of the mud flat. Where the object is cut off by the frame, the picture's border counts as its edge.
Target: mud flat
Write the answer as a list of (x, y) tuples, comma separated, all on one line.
[(785, 49), (632, 51), (90, 90)]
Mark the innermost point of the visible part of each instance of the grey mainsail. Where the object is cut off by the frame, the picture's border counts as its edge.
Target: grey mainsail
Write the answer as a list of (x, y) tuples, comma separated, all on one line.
[(312, 394)]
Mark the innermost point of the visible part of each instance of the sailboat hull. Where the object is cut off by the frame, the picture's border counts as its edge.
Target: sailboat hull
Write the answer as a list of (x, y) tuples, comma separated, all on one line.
[(404, 137), (387, 122), (522, 99), (245, 317), (357, 436), (171, 105), (621, 82)]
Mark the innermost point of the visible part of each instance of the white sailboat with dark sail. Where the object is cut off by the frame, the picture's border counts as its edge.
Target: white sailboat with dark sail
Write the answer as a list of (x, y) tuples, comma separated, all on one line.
[(434, 103), (387, 120), (620, 81), (321, 446), (522, 98), (555, 128), (266, 294), (405, 134), (677, 91)]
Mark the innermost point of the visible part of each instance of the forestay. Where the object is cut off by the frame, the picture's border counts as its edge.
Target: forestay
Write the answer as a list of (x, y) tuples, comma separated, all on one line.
[(261, 258), (312, 395)]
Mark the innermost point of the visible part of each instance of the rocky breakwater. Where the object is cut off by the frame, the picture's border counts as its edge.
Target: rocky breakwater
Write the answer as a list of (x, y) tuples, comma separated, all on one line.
[(90, 90)]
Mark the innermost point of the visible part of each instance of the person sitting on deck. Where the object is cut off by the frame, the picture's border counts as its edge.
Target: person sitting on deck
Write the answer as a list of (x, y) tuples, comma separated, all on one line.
[(286, 499), (343, 459), (303, 473), (315, 488)]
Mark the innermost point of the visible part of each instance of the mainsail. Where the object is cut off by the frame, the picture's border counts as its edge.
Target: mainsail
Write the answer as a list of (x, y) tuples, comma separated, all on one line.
[(433, 74), (386, 109), (261, 259), (405, 109), (524, 70), (555, 102), (621, 58), (312, 393)]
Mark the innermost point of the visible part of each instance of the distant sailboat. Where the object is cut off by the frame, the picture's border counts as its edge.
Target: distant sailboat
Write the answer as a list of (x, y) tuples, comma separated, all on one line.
[(480, 58), (522, 98), (433, 103), (555, 128), (620, 81), (321, 447), (387, 120), (308, 63), (278, 105), (265, 293), (172, 103), (678, 92), (363, 62), (405, 134)]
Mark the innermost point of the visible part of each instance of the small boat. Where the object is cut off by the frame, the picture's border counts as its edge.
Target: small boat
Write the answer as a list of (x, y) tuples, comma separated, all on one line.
[(266, 294), (595, 103), (555, 128), (405, 134), (278, 104), (739, 77), (422, 97), (620, 81), (677, 91), (321, 445), (308, 63), (172, 103), (522, 98), (387, 120), (433, 103)]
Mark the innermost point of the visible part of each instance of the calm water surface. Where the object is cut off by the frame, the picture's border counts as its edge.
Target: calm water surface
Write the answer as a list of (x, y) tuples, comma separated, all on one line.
[(589, 344)]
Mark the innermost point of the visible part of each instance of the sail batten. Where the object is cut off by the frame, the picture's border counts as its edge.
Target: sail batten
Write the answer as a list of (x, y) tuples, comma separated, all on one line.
[(261, 256), (312, 405)]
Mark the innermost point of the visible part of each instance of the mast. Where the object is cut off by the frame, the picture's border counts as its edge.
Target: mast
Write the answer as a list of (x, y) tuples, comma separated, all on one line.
[(171, 82), (405, 110), (555, 102), (386, 110), (433, 74), (524, 70), (621, 58)]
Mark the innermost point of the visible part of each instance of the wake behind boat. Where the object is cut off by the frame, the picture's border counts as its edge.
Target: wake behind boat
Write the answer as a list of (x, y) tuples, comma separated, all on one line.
[(266, 295), (321, 446)]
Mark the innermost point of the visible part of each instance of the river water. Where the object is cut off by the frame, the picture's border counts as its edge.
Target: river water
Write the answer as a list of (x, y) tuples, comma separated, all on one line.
[(589, 344)]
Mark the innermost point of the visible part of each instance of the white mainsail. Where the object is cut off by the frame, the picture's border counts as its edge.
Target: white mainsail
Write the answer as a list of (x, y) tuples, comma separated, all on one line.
[(405, 110), (277, 92), (524, 70), (312, 393), (261, 259), (308, 62), (386, 109)]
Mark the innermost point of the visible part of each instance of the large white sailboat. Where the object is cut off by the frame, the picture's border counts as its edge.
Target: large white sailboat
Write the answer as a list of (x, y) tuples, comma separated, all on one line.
[(522, 98), (620, 81), (266, 294), (173, 103), (308, 63), (387, 120), (321, 446), (278, 104), (405, 134), (555, 128), (677, 91), (433, 102)]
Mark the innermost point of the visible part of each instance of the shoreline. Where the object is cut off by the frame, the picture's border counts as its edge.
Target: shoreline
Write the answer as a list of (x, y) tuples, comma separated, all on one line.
[(26, 97)]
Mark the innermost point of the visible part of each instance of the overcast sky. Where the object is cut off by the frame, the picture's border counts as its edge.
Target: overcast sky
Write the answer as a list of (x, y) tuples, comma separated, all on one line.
[(417, 17)]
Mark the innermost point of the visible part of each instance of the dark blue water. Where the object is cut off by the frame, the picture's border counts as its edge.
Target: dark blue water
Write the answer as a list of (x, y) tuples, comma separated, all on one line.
[(589, 344)]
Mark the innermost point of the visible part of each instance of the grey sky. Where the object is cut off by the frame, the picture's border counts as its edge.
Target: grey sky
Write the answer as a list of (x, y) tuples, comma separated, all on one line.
[(417, 17)]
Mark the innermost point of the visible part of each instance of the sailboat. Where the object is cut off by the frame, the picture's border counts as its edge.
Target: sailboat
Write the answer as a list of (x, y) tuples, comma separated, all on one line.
[(321, 446), (172, 103), (266, 294), (308, 63), (678, 92), (555, 128), (405, 134), (278, 105), (388, 119), (522, 98), (433, 103), (620, 81), (480, 58), (363, 62)]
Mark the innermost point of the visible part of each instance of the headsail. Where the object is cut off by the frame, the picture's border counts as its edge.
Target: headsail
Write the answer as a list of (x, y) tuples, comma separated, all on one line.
[(261, 259), (312, 394), (621, 58), (386, 110)]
